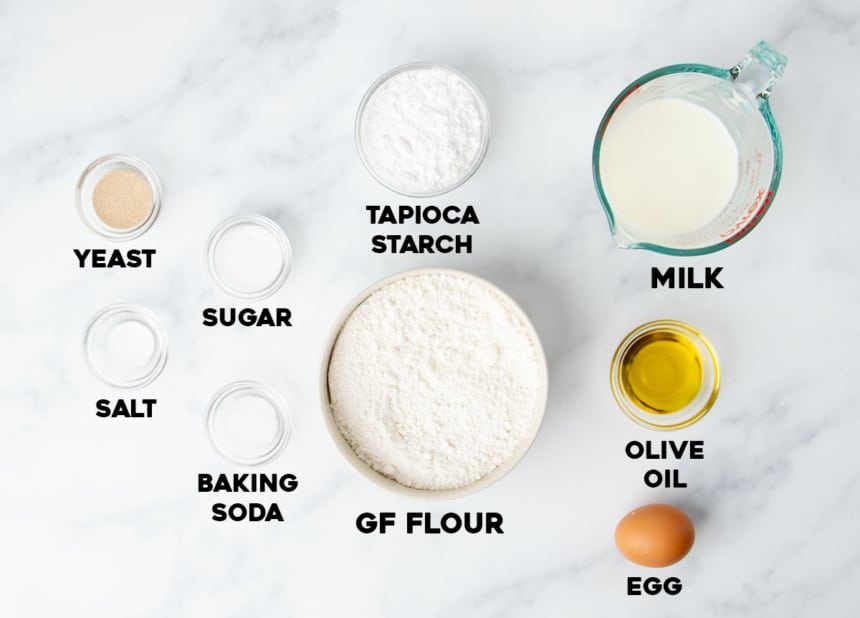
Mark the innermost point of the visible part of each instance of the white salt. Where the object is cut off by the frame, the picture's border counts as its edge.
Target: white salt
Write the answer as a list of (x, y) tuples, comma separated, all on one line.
[(129, 346)]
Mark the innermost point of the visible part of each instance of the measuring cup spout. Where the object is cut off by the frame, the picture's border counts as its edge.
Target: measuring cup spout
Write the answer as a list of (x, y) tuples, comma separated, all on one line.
[(759, 70), (623, 240)]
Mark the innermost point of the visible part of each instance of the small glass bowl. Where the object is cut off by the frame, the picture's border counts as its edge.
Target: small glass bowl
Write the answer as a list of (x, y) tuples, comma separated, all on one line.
[(97, 170), (111, 373), (275, 230), (701, 403), (231, 449), (483, 112)]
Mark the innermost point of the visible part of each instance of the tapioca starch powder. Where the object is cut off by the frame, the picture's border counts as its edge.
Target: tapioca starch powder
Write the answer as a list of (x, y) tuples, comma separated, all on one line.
[(421, 130), (434, 380)]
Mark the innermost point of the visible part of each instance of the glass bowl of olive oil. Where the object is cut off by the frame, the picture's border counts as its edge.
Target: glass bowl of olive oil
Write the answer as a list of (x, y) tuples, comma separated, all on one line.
[(665, 375)]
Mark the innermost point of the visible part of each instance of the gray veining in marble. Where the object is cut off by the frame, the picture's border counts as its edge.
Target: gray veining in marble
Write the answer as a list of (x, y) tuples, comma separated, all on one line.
[(246, 107)]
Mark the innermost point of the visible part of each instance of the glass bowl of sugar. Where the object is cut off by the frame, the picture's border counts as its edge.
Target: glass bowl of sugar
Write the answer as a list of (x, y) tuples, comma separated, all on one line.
[(125, 346), (422, 129), (118, 196), (249, 256)]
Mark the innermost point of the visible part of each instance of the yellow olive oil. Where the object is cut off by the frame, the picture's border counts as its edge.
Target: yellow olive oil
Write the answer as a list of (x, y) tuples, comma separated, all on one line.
[(662, 372)]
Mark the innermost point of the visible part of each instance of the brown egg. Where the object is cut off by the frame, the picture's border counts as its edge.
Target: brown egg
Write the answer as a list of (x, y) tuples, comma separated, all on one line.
[(655, 535)]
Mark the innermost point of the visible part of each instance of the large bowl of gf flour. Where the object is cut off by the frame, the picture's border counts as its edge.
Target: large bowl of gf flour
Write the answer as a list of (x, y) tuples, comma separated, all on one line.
[(433, 383)]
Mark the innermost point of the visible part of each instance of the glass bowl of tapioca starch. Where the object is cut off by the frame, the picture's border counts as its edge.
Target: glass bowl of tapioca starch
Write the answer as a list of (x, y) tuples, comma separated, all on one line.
[(422, 129)]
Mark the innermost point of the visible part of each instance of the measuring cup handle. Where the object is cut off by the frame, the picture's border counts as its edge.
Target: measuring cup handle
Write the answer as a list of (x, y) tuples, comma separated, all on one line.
[(759, 70)]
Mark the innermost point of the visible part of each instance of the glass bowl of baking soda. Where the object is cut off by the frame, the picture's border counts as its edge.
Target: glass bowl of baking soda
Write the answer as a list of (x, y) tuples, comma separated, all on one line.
[(422, 129)]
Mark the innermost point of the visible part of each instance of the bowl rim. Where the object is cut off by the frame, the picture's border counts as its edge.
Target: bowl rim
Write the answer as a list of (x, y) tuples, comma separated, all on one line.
[(390, 484)]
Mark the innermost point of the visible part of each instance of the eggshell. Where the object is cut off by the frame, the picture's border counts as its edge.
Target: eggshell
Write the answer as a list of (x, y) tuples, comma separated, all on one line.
[(655, 535)]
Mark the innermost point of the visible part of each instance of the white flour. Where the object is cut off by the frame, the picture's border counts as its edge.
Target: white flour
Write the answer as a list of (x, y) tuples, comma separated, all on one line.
[(434, 381), (421, 131)]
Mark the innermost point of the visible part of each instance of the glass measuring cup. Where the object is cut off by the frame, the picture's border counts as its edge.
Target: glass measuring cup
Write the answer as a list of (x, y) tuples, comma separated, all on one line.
[(738, 98)]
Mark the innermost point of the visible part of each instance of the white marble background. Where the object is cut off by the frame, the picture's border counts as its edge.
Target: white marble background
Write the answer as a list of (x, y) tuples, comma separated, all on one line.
[(248, 107)]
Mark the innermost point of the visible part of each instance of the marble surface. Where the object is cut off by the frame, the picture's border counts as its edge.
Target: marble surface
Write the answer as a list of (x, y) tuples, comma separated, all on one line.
[(248, 107)]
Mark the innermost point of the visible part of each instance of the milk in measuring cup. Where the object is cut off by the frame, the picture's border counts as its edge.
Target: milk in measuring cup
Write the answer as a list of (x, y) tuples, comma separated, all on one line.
[(668, 167)]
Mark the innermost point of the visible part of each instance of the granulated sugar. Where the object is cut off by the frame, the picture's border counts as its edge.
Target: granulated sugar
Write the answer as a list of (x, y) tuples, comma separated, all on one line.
[(248, 257), (434, 380), (421, 131)]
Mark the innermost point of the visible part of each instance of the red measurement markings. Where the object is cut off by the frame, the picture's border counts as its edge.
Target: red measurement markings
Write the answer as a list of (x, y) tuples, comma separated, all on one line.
[(750, 217), (615, 107)]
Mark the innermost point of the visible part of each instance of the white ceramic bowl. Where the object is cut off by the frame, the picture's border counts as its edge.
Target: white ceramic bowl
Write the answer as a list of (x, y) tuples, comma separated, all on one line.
[(390, 484)]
